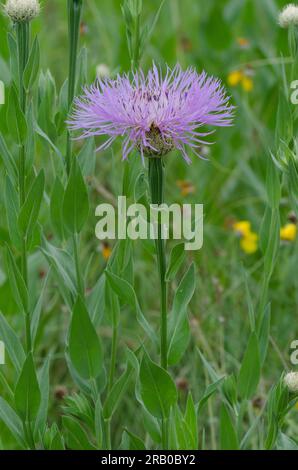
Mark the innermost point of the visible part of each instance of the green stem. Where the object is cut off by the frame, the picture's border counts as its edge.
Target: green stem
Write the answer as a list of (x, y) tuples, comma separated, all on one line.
[(136, 49), (22, 35), (74, 17), (80, 284), (113, 357), (107, 423), (156, 183)]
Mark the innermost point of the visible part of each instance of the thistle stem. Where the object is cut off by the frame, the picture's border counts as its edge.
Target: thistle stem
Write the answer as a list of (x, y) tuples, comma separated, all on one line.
[(156, 183), (74, 17), (22, 35)]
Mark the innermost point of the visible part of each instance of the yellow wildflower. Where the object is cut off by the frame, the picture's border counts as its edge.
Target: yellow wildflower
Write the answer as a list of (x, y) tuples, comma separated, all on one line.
[(249, 239), (288, 232), (235, 77), (249, 243), (247, 83), (238, 77), (242, 227)]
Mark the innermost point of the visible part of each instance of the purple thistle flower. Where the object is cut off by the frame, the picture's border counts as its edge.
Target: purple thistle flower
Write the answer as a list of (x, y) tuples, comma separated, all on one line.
[(152, 113)]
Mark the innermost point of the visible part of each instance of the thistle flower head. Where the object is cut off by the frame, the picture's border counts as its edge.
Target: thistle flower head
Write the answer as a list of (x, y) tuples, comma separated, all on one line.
[(152, 113), (288, 16), (291, 381), (22, 10)]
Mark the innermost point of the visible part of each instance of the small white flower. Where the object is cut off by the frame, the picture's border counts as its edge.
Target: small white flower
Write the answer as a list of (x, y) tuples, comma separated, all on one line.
[(291, 381), (288, 16), (22, 10), (103, 71)]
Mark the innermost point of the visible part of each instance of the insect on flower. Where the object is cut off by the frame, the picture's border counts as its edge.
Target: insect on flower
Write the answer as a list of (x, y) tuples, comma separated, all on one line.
[(152, 113)]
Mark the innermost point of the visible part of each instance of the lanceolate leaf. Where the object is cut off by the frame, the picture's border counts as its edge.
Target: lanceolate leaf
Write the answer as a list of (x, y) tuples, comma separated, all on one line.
[(76, 436), (127, 294), (15, 118), (12, 421), (12, 343), (157, 388), (179, 332), (228, 436), (76, 201), (17, 282), (27, 392), (117, 392), (32, 67), (30, 210), (250, 370), (85, 349)]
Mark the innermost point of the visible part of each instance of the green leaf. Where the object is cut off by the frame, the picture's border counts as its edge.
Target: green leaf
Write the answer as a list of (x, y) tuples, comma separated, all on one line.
[(273, 185), (32, 67), (44, 384), (191, 422), (158, 391), (286, 443), (264, 333), (56, 207), (45, 137), (84, 346), (115, 395), (87, 157), (228, 436), (13, 56), (35, 317), (27, 392), (76, 201), (8, 160), (185, 291), (250, 370), (270, 238), (76, 436), (12, 421), (62, 266), (130, 441), (96, 301), (15, 118), (17, 282), (210, 390), (177, 257), (179, 331), (30, 210), (12, 343), (12, 211), (250, 306), (126, 292)]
